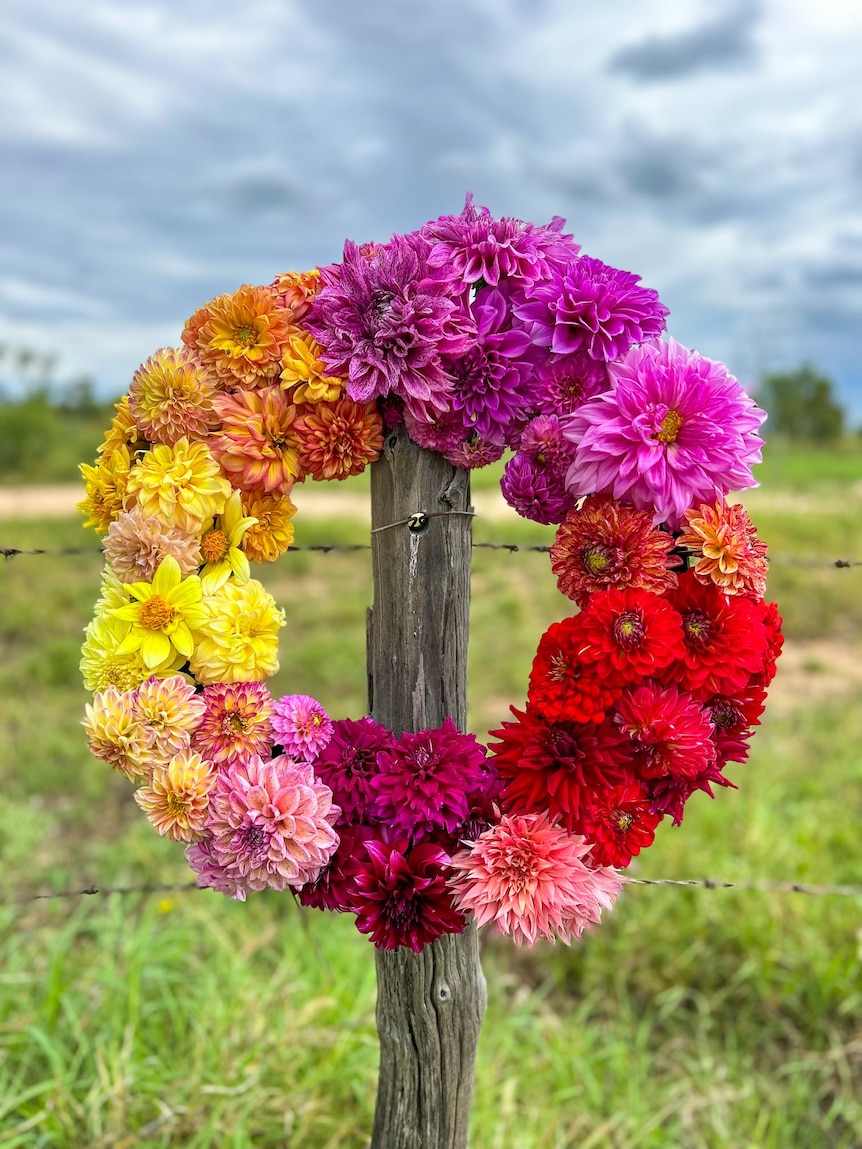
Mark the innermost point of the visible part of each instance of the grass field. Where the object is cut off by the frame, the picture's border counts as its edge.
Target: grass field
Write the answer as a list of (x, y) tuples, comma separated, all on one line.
[(691, 1018)]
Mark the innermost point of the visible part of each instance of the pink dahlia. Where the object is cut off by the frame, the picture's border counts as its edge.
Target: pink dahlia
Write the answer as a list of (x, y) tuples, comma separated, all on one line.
[(543, 441), (563, 382), (301, 726), (673, 430), (236, 722), (427, 781), (271, 823), (401, 897), (211, 874), (606, 545), (671, 733), (385, 318), (348, 764), (531, 879), (587, 306), (472, 452)]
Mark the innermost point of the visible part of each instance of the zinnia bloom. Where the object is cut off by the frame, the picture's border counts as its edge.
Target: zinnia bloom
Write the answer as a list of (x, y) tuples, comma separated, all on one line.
[(257, 444), (726, 548), (241, 336), (563, 686), (619, 824), (105, 486), (337, 440), (271, 823), (607, 545), (671, 733), (348, 763), (181, 485), (303, 370), (272, 534), (674, 429), (301, 726), (530, 878), (171, 397), (385, 319), (220, 547), (171, 711), (115, 733), (630, 634), (135, 546), (237, 641), (587, 306), (401, 897), (176, 799), (163, 615), (426, 782), (237, 722)]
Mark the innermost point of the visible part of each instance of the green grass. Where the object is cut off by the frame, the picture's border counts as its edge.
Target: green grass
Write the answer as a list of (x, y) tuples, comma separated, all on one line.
[(694, 1018)]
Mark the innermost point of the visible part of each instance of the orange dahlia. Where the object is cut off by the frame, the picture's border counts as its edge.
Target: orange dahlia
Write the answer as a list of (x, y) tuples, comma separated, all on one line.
[(171, 396), (295, 290), (339, 439), (257, 446), (272, 534), (725, 548), (241, 336), (123, 432)]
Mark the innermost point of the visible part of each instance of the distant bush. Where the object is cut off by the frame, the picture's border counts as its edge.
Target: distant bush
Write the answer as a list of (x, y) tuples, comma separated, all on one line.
[(802, 405)]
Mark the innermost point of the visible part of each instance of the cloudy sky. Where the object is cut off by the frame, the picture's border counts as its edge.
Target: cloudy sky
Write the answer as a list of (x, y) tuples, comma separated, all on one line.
[(155, 154)]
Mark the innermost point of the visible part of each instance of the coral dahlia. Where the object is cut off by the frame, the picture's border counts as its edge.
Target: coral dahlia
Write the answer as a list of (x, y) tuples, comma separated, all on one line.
[(726, 548), (136, 544), (177, 796), (236, 723), (337, 440), (257, 445)]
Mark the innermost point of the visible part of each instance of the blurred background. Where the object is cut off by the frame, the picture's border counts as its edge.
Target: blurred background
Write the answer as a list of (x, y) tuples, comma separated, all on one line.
[(157, 155)]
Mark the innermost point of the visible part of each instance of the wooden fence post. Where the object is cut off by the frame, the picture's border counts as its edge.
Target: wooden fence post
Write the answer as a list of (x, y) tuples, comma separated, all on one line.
[(429, 1005)]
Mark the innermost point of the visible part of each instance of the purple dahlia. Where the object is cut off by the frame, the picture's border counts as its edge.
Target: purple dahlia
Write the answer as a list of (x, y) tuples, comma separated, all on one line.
[(535, 491)]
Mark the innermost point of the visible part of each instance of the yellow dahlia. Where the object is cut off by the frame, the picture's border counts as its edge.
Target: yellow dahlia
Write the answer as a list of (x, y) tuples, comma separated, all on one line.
[(170, 711), (181, 485), (238, 640), (104, 665), (171, 397), (123, 432), (105, 486), (257, 443), (303, 369), (115, 734), (220, 547), (164, 614), (272, 532), (295, 290), (725, 548), (177, 797), (112, 591), (241, 336)]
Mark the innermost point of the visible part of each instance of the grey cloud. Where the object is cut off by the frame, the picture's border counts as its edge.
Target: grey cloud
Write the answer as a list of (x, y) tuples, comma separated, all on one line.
[(721, 43)]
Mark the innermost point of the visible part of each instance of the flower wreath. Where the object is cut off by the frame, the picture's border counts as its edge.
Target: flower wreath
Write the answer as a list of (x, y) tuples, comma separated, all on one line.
[(479, 334)]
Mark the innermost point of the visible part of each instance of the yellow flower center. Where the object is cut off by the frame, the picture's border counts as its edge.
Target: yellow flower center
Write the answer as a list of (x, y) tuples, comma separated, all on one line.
[(623, 819), (155, 613), (245, 335), (214, 546), (669, 429), (175, 805)]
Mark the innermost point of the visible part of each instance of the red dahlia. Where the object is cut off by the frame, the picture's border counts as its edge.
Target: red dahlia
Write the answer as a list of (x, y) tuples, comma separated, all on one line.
[(563, 686), (733, 720), (670, 732), (669, 795), (619, 824), (725, 639), (609, 545), (335, 886), (772, 620), (630, 634)]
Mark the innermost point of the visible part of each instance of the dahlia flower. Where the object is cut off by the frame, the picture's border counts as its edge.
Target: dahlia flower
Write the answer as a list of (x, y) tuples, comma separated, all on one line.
[(542, 440), (301, 726), (427, 780), (236, 722), (630, 634), (272, 533), (241, 336), (733, 719), (337, 440), (772, 622), (257, 444), (434, 428), (237, 641), (163, 615), (303, 370), (671, 733), (348, 763), (220, 547), (385, 319), (271, 823), (115, 733), (181, 485), (669, 794), (103, 664), (472, 452), (531, 879), (294, 291), (177, 796), (562, 383), (123, 432), (726, 548), (587, 306), (212, 875), (619, 824), (563, 686), (171, 711), (171, 397), (105, 485), (136, 544), (400, 895), (535, 491), (335, 886), (605, 545), (673, 430)]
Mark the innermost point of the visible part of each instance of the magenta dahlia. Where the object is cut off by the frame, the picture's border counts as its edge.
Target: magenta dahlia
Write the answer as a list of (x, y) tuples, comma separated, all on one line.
[(671, 733), (301, 726), (349, 763)]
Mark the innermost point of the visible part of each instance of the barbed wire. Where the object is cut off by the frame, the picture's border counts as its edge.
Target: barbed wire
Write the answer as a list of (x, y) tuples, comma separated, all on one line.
[(511, 548), (765, 886)]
